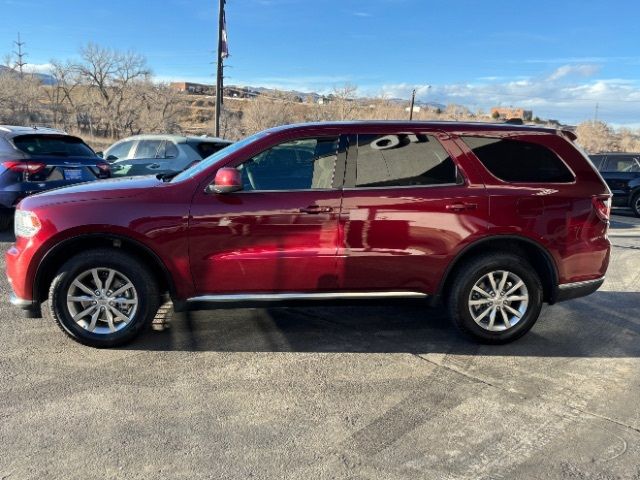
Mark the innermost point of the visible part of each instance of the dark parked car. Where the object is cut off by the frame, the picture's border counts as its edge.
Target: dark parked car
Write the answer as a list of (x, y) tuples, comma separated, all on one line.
[(159, 154), (34, 159), (492, 219), (621, 171)]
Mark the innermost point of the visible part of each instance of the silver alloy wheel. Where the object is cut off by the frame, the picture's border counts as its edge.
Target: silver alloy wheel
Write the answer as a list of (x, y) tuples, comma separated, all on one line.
[(636, 205), (102, 300), (498, 301)]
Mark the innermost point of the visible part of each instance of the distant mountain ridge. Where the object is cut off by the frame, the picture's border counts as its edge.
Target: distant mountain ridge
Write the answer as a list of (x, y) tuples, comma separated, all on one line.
[(316, 96), (44, 78)]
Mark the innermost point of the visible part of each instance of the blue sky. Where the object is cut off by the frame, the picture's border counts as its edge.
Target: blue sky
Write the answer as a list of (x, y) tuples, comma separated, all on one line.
[(559, 58)]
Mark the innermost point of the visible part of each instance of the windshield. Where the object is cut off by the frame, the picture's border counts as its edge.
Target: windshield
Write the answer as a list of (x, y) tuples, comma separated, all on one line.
[(56, 145), (211, 160)]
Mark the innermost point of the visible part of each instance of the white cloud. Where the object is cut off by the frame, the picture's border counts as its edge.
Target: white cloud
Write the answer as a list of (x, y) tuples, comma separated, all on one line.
[(618, 99), (583, 70), (38, 67)]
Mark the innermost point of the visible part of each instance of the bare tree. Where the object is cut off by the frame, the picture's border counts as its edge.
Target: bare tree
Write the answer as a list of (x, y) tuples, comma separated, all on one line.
[(20, 99), (343, 102), (265, 112), (597, 137), (113, 76)]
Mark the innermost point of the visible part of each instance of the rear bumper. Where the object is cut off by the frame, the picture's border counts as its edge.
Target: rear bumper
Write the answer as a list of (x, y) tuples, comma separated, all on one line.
[(569, 291)]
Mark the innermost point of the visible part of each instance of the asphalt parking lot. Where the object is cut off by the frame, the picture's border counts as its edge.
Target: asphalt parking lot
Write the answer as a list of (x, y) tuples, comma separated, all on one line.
[(340, 392)]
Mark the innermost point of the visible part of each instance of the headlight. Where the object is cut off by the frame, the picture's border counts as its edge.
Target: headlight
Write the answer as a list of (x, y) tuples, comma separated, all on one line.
[(26, 224)]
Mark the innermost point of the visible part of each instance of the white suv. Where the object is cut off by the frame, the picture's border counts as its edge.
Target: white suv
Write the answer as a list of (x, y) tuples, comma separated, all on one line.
[(159, 154)]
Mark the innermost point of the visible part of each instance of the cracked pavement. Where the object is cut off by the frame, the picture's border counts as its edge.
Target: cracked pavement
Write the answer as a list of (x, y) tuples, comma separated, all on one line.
[(389, 392)]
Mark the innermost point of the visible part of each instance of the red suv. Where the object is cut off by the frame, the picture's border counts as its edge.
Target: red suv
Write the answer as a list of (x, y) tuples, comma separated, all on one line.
[(492, 219)]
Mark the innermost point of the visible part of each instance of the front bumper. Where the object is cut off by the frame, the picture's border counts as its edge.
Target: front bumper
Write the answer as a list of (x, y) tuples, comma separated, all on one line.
[(569, 291), (31, 308), (20, 302)]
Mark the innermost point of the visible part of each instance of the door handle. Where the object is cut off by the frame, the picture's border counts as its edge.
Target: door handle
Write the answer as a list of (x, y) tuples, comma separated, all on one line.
[(460, 207), (315, 209)]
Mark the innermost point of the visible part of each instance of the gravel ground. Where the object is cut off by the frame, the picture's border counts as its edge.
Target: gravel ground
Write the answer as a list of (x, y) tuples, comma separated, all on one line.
[(339, 392)]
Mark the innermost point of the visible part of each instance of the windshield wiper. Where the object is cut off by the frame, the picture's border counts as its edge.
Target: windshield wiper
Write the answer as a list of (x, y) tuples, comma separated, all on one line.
[(166, 176)]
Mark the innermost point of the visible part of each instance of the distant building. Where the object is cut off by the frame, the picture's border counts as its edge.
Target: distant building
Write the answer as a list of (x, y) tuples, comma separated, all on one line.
[(507, 113), (195, 88)]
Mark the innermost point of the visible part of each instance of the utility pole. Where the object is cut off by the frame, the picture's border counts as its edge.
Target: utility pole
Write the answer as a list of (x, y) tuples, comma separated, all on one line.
[(20, 54), (221, 54), (595, 118), (413, 101)]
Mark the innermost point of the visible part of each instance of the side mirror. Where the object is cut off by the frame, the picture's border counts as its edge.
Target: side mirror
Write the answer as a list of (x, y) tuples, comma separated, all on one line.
[(227, 180), (100, 154), (112, 158)]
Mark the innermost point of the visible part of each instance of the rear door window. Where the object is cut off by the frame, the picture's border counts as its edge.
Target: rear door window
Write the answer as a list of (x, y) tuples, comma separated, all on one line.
[(168, 150), (402, 160), (147, 149), (519, 161), (53, 145), (623, 163)]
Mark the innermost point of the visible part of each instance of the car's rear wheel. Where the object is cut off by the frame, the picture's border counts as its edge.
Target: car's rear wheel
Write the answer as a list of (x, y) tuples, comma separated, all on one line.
[(6, 220), (103, 298), (635, 204), (495, 298)]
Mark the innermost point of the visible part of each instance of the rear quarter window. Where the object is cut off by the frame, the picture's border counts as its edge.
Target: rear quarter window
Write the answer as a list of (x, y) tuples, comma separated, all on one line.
[(208, 148), (519, 161)]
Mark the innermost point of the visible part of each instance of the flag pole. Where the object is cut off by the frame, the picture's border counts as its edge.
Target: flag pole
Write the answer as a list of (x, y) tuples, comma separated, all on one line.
[(219, 74)]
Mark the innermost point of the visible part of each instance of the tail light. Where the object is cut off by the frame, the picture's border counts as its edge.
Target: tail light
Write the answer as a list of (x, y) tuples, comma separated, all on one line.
[(602, 206), (104, 168), (24, 167)]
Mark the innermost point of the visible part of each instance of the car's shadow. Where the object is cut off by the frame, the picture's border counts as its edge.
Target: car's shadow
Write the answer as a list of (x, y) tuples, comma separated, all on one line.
[(605, 324)]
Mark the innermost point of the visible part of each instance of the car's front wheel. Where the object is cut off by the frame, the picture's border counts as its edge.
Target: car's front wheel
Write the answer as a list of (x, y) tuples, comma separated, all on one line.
[(495, 298), (103, 298)]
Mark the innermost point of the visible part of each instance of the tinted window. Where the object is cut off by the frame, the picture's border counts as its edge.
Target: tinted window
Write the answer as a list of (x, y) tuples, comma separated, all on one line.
[(623, 163), (168, 149), (58, 145), (298, 165), (402, 160), (518, 161), (208, 148), (119, 151), (597, 161), (147, 149)]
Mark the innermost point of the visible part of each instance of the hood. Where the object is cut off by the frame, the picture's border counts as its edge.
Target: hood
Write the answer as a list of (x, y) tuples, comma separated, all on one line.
[(98, 190)]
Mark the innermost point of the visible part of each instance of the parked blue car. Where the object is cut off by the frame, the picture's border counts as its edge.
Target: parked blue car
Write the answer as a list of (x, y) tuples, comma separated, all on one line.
[(34, 159), (621, 171)]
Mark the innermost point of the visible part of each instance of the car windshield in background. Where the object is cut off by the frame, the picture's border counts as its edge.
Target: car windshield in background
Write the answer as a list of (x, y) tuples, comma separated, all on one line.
[(57, 145)]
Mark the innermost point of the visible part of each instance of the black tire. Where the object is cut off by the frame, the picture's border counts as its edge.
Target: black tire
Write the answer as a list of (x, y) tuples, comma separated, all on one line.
[(6, 221), (635, 204), (145, 285), (472, 272)]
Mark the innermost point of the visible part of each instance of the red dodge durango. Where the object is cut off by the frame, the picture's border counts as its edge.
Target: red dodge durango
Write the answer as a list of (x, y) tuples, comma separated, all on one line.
[(493, 220)]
